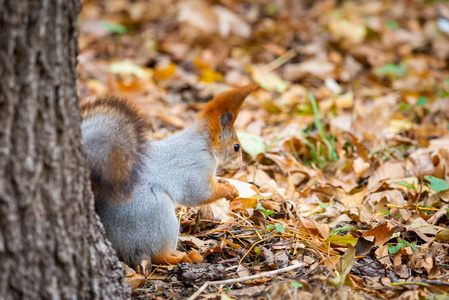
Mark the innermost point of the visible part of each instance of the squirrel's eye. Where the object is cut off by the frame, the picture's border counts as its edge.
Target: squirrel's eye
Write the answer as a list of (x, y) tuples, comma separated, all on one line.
[(236, 147)]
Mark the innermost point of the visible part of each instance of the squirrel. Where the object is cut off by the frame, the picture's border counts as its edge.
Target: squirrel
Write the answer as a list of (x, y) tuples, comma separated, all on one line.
[(137, 183)]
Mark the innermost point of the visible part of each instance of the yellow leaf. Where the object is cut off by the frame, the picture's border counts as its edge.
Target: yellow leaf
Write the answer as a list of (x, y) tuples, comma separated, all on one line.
[(342, 239), (165, 72), (267, 79), (209, 76)]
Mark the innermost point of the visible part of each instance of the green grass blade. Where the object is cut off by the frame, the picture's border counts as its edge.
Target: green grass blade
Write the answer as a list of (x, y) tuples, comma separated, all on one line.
[(319, 126)]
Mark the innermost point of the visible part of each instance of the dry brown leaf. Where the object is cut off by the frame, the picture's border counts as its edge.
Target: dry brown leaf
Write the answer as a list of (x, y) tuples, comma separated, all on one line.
[(313, 228), (376, 203), (383, 255), (318, 68), (199, 15), (348, 32), (133, 278), (230, 23), (389, 170), (360, 166), (382, 233), (242, 271), (205, 247), (422, 226)]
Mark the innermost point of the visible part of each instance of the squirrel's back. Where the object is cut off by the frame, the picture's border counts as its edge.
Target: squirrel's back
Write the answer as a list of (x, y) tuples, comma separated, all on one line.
[(114, 132)]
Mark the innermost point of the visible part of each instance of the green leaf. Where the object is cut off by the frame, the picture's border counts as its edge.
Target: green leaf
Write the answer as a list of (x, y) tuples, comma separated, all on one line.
[(401, 245), (341, 229), (406, 185), (296, 285), (404, 106), (323, 206), (413, 245), (437, 184), (279, 228), (265, 212), (269, 227), (115, 28), (391, 70), (392, 24), (394, 249), (404, 242), (342, 239), (251, 144), (422, 101), (271, 9)]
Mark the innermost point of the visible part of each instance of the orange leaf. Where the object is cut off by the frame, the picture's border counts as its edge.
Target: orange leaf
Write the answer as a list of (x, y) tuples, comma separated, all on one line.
[(382, 233)]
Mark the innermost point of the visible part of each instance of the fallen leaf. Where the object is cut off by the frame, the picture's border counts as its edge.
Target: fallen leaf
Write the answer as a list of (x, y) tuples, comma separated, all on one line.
[(343, 267), (267, 79), (251, 144), (341, 239), (318, 68), (383, 233), (424, 227)]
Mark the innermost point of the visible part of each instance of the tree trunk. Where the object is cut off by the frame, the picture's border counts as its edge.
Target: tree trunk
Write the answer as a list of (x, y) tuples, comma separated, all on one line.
[(51, 243)]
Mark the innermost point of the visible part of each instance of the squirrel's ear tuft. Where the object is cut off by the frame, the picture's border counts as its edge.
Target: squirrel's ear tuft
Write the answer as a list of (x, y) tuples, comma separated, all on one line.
[(229, 101), (222, 111)]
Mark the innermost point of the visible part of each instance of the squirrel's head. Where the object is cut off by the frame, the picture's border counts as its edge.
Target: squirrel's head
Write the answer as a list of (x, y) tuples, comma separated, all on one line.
[(220, 115)]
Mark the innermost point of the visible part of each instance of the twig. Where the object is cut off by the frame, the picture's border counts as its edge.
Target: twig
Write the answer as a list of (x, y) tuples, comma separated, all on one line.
[(410, 282), (201, 289), (235, 280), (281, 60)]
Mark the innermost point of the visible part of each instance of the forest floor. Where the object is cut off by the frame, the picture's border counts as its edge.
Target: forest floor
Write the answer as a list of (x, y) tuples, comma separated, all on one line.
[(346, 144)]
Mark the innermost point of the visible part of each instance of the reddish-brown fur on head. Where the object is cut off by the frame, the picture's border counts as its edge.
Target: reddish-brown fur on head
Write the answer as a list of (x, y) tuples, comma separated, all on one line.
[(220, 115), (229, 101)]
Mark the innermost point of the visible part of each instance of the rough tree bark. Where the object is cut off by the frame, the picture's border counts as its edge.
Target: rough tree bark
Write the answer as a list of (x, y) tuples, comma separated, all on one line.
[(51, 243)]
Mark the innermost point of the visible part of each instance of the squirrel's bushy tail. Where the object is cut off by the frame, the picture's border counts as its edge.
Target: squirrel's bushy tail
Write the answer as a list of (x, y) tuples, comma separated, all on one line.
[(115, 133)]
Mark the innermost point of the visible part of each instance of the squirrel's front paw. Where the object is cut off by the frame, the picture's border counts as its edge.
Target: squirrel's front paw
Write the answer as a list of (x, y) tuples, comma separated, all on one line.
[(222, 189), (235, 193), (232, 192)]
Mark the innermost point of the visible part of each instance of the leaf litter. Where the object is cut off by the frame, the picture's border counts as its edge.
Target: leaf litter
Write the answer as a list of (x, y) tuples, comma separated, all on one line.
[(345, 187)]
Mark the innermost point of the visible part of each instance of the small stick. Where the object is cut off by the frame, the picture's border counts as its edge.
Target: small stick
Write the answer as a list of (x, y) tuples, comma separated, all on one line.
[(281, 60), (198, 292), (235, 280)]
